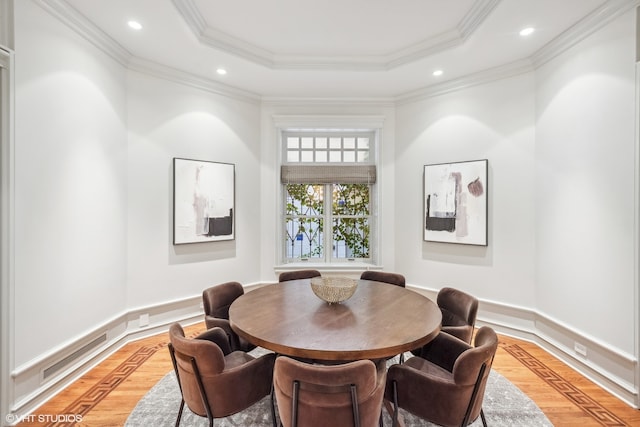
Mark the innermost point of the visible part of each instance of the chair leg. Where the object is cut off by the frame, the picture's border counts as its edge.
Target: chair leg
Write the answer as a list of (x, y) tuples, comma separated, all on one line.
[(180, 412), (294, 404), (484, 420), (474, 395), (273, 407), (354, 406), (203, 393), (175, 369), (401, 358), (394, 420)]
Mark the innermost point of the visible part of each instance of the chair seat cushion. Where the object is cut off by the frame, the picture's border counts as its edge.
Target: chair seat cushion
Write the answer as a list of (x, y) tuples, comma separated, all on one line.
[(429, 368), (452, 319), (236, 358)]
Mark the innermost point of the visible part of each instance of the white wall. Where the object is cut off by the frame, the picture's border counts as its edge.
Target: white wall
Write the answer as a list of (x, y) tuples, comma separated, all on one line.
[(494, 122), (70, 185), (585, 189), (168, 120), (6, 24)]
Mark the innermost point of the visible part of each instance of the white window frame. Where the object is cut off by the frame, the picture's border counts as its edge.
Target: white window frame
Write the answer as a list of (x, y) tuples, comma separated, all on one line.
[(342, 124)]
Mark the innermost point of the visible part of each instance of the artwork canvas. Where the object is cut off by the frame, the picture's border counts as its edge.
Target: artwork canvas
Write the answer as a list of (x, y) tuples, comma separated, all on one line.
[(203, 201), (455, 202)]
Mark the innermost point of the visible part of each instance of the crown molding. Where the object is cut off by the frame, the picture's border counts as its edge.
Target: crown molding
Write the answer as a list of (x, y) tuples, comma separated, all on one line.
[(85, 28), (219, 40), (241, 48), (591, 23), (485, 76), (225, 42), (424, 49), (470, 22), (192, 16), (341, 102), (181, 77), (476, 16)]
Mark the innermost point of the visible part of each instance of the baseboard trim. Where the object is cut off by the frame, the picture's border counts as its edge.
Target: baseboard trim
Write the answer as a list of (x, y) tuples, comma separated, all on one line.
[(31, 389), (611, 369)]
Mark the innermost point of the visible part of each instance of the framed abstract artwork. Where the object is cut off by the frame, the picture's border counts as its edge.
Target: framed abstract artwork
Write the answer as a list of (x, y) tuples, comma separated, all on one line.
[(455, 202), (203, 201)]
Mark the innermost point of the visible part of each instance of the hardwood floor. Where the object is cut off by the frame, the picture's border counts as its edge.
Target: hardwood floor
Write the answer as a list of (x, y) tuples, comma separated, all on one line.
[(107, 394)]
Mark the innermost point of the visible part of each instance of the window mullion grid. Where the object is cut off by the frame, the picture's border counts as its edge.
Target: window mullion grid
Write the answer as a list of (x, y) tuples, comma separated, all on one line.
[(328, 223)]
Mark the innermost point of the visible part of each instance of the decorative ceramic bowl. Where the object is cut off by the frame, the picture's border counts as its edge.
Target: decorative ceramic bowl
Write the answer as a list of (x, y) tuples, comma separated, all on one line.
[(333, 289)]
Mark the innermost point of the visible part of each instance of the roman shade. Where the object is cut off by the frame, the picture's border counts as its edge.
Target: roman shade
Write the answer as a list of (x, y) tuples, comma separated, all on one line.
[(328, 174)]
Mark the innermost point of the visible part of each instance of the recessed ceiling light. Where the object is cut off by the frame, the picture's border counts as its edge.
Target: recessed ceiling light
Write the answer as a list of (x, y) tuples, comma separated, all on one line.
[(134, 25), (527, 31), (221, 71), (437, 73)]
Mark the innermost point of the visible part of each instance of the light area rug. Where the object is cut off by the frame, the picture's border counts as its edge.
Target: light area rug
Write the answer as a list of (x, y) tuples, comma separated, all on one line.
[(504, 405)]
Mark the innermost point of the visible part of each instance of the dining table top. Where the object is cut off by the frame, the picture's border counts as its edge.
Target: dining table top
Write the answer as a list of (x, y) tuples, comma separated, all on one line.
[(379, 321)]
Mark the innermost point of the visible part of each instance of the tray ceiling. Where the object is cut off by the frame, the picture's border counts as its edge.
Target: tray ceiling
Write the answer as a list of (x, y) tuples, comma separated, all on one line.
[(336, 48)]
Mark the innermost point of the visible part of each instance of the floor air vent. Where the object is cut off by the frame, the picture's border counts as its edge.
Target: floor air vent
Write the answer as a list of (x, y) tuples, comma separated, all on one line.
[(73, 356)]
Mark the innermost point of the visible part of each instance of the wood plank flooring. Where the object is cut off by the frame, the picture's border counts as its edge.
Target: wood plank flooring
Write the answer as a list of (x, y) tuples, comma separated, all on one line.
[(108, 393)]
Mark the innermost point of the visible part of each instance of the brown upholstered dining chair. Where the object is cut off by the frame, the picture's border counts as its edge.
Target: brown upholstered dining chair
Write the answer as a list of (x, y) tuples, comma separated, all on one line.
[(329, 395), (459, 310), (285, 276), (216, 301), (214, 381), (383, 276), (446, 385)]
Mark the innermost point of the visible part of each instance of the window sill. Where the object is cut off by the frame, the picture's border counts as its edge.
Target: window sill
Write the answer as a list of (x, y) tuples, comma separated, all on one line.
[(350, 267)]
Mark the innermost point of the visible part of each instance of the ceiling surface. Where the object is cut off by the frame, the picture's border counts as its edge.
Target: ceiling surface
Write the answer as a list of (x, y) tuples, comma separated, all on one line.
[(336, 48)]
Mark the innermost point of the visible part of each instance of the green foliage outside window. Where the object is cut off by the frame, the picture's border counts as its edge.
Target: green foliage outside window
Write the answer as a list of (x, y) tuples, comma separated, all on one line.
[(350, 210), (304, 220), (351, 218)]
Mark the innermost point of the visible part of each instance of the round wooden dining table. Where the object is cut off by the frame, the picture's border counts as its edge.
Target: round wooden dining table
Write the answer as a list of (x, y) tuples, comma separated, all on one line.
[(379, 321)]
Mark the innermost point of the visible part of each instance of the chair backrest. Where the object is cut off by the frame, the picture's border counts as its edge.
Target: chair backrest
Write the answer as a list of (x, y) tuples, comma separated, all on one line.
[(217, 299), (459, 309), (383, 276), (473, 367), (328, 395), (297, 275)]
